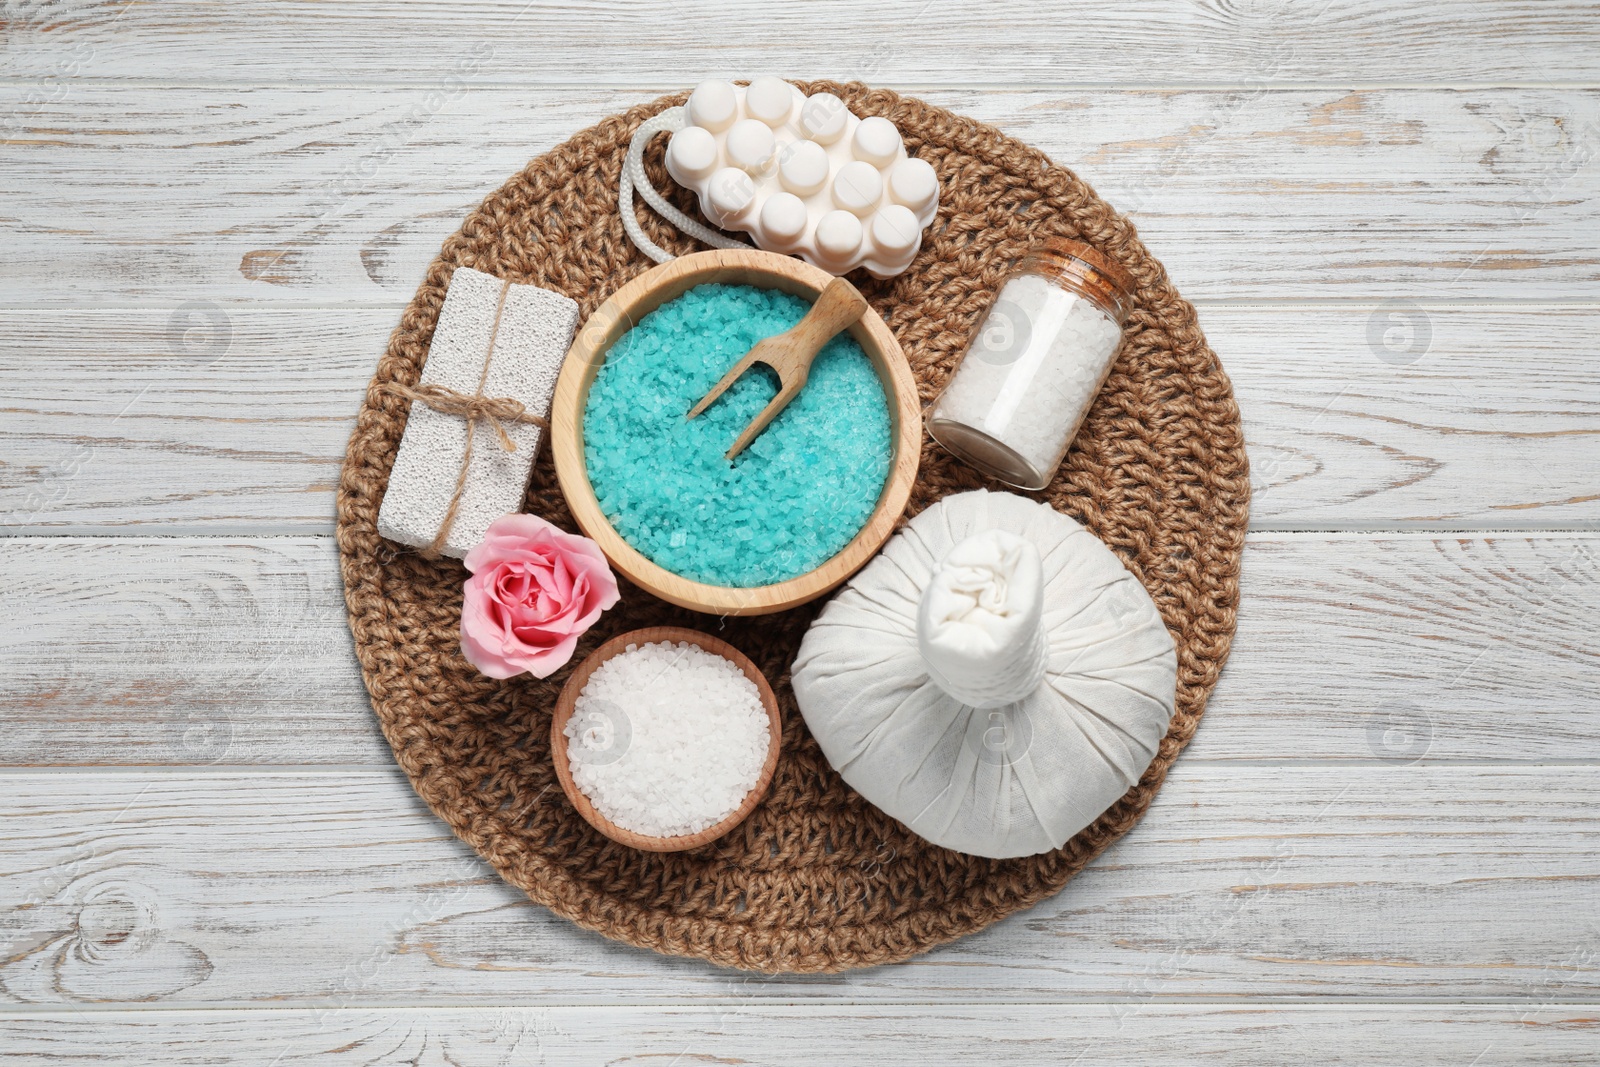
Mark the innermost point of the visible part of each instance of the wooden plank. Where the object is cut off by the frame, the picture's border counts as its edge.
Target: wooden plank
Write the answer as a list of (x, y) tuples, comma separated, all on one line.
[(226, 420), (337, 889), (559, 42), (190, 418), (297, 196), (183, 651), (1404, 648), (1262, 875), (1417, 417), (1416, 1035), (168, 651)]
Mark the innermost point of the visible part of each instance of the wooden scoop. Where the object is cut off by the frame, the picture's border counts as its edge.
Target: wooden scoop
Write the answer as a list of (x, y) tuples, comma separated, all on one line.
[(790, 354)]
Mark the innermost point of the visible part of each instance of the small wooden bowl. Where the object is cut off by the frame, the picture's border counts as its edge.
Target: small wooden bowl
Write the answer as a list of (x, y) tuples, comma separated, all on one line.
[(640, 297), (568, 700)]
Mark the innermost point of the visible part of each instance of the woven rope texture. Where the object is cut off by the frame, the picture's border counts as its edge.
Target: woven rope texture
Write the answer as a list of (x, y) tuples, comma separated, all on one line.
[(816, 879)]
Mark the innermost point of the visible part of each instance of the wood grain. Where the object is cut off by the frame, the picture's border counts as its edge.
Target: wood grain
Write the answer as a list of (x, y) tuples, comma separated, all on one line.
[(194, 651), (558, 42), (212, 217), (339, 889), (189, 651), (226, 420), (1419, 417), (893, 1036), (303, 196)]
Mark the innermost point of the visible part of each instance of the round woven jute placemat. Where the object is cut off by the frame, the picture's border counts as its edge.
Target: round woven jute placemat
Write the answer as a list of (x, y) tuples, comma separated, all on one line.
[(816, 879)]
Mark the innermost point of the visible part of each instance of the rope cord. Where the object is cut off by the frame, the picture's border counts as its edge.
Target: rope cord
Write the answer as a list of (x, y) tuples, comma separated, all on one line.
[(671, 120)]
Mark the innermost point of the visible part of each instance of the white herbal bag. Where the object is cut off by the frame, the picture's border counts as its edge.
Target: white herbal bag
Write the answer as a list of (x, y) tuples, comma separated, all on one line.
[(995, 678)]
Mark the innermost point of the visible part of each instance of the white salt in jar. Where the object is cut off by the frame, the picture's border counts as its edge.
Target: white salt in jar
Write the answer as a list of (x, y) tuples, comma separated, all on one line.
[(1034, 364)]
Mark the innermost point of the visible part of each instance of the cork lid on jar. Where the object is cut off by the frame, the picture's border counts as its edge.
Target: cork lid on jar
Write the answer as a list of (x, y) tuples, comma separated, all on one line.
[(1083, 269)]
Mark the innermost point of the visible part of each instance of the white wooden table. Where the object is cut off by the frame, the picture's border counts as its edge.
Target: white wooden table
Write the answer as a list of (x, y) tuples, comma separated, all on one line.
[(1383, 846)]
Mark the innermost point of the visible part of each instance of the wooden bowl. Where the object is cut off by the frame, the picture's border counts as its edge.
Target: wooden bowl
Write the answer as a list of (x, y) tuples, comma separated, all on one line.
[(640, 297), (568, 701)]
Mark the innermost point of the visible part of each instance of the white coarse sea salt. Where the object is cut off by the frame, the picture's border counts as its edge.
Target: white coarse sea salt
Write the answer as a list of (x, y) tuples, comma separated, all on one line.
[(667, 739), (1031, 383)]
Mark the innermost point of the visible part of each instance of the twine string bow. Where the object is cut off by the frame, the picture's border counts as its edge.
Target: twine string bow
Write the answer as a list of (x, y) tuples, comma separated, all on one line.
[(495, 410)]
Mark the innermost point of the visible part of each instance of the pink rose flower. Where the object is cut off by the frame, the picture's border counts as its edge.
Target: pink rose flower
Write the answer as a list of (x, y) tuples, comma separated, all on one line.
[(534, 589)]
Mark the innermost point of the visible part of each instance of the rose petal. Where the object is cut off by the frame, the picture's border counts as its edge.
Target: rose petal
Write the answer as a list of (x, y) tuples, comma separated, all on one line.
[(529, 625), (511, 584), (534, 589), (483, 635), (602, 592), (545, 663)]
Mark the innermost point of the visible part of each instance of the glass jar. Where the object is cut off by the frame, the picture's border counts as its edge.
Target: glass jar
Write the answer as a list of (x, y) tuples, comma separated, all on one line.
[(1034, 364)]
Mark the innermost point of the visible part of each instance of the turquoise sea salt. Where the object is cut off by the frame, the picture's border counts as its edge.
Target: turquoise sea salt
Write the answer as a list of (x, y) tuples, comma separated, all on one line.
[(791, 500)]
